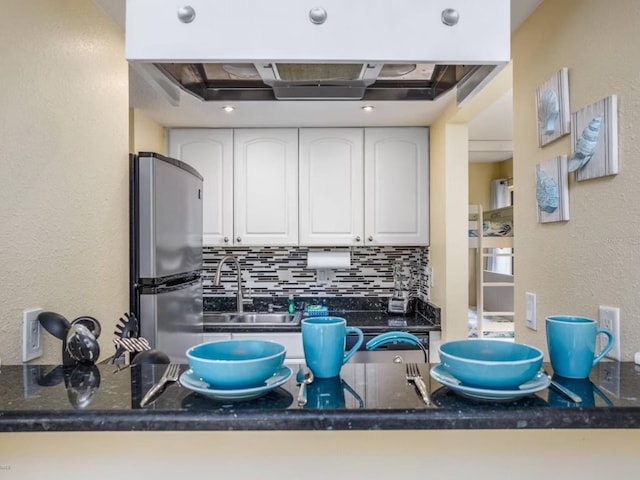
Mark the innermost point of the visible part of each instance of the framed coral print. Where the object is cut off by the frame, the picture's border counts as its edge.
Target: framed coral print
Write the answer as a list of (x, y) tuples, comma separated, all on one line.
[(594, 140), (552, 108), (552, 190)]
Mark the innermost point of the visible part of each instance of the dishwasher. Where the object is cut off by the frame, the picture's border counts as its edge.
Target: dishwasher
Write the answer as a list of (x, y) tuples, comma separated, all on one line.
[(396, 347)]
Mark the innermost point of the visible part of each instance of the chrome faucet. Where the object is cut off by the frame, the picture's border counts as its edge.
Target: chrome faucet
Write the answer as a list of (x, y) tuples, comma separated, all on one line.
[(216, 280)]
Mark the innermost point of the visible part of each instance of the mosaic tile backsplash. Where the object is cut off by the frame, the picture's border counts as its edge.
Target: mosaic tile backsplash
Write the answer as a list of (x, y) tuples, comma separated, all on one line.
[(280, 271)]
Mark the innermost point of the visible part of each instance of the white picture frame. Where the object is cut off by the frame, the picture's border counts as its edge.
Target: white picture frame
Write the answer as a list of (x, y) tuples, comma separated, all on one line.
[(552, 190), (594, 151), (552, 108)]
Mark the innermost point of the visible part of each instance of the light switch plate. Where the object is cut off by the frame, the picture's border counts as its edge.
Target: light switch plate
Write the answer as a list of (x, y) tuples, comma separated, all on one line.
[(530, 311), (31, 335)]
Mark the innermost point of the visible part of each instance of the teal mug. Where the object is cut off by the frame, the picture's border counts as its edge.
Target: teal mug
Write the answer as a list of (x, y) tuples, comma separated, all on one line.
[(324, 342), (572, 345), (328, 393)]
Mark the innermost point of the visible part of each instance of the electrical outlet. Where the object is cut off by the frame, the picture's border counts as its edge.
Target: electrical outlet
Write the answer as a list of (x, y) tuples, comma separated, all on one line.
[(31, 335), (610, 319), (428, 271), (530, 311)]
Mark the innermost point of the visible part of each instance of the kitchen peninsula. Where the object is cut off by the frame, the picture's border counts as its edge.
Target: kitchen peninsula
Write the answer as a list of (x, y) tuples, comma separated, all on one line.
[(366, 397)]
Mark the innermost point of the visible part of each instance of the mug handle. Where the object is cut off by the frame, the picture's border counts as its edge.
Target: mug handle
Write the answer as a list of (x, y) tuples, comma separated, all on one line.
[(353, 350), (607, 347), (358, 398)]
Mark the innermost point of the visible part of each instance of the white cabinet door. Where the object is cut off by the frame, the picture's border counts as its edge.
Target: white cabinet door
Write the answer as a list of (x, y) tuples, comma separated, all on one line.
[(292, 341), (266, 186), (210, 151), (331, 186), (396, 186)]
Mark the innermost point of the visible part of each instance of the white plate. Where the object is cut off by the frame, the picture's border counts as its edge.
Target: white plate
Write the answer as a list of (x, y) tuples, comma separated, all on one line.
[(537, 383), (190, 381)]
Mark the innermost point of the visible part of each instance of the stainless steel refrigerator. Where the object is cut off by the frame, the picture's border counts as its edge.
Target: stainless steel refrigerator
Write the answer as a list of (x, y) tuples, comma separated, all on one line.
[(166, 252)]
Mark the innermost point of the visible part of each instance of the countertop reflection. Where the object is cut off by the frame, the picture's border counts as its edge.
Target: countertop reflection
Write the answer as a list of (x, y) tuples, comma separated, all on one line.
[(365, 396)]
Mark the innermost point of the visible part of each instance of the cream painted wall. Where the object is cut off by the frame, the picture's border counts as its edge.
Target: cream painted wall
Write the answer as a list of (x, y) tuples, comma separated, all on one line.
[(401, 455), (480, 176), (449, 247), (145, 134), (64, 168), (594, 258)]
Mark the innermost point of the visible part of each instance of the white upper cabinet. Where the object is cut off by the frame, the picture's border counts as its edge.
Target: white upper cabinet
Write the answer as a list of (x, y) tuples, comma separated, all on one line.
[(210, 151), (331, 209), (396, 186), (266, 186), (371, 30)]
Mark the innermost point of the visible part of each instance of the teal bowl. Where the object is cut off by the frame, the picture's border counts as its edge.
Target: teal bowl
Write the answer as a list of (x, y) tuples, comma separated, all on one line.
[(236, 364), (490, 364)]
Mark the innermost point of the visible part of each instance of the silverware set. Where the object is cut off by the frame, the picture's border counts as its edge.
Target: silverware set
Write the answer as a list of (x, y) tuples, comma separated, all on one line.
[(303, 379), (170, 375), (562, 389), (413, 375)]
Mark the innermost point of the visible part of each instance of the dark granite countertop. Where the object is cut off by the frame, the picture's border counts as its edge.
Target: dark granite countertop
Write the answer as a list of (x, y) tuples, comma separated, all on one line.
[(365, 397), (369, 321), (368, 314)]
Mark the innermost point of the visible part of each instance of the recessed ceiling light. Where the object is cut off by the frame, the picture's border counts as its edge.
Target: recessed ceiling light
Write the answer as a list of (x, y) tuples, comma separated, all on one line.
[(368, 108), (228, 108)]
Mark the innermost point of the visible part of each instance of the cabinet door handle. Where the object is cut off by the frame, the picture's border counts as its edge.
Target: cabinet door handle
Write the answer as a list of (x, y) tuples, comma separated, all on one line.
[(357, 239), (238, 239), (226, 239), (370, 238)]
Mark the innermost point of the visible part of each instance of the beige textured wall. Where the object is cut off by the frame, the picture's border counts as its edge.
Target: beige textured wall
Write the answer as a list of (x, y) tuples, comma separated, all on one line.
[(594, 258), (146, 135), (401, 455), (64, 168)]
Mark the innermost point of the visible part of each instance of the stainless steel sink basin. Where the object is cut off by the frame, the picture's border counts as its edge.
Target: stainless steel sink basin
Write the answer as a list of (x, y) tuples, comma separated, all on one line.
[(248, 318)]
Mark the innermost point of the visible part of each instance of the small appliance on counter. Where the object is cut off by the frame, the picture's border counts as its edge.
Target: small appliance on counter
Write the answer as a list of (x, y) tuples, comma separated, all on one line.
[(400, 302)]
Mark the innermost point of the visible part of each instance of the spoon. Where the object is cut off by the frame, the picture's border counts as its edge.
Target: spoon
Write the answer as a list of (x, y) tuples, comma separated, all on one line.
[(563, 390), (55, 324), (82, 345), (306, 380)]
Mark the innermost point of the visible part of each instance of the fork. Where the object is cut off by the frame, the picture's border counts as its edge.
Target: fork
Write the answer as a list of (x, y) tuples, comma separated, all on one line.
[(413, 375), (171, 374)]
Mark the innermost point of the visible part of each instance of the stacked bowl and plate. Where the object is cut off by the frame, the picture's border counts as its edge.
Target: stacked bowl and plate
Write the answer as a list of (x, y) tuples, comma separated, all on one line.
[(494, 370), (235, 369)]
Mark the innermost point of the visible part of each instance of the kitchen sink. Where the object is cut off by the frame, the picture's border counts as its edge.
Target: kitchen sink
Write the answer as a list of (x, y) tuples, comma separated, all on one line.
[(251, 318)]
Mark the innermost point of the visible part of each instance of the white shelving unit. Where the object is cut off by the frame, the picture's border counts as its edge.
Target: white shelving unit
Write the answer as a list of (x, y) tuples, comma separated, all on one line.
[(494, 291)]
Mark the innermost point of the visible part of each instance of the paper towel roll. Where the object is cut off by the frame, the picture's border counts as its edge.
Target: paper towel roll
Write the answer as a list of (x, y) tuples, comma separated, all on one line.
[(327, 260)]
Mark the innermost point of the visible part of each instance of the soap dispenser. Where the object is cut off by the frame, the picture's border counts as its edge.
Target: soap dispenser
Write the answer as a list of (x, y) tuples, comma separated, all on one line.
[(292, 305)]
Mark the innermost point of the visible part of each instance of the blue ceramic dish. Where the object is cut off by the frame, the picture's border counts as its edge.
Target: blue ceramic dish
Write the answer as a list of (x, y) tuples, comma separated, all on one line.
[(490, 363), (236, 364)]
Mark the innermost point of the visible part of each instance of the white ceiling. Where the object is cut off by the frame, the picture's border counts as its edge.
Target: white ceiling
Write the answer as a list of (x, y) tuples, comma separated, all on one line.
[(493, 125)]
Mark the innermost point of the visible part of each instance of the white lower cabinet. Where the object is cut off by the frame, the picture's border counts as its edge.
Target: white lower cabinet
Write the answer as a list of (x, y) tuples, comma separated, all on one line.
[(292, 341)]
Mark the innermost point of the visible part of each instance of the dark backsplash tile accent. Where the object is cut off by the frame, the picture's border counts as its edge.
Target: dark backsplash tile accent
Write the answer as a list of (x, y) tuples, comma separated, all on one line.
[(280, 271)]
